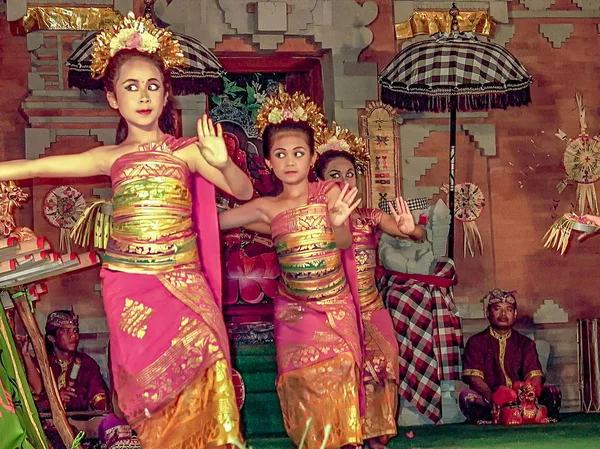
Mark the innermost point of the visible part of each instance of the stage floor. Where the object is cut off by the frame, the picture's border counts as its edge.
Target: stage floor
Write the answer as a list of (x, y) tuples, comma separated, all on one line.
[(574, 431)]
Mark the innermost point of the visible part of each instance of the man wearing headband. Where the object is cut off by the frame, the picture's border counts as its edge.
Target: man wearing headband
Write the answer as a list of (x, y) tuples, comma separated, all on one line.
[(499, 356), (77, 375)]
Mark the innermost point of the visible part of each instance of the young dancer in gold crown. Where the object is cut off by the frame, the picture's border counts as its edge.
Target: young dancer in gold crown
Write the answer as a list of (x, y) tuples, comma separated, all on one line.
[(317, 336), (340, 152), (169, 347)]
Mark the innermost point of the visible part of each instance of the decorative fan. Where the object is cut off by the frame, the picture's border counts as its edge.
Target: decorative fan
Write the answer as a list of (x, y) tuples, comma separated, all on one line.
[(582, 163), (62, 208), (468, 205)]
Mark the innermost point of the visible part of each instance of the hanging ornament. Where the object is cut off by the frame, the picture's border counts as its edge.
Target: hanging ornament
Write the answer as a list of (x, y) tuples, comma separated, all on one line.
[(95, 221), (468, 205), (559, 234), (62, 208), (582, 163)]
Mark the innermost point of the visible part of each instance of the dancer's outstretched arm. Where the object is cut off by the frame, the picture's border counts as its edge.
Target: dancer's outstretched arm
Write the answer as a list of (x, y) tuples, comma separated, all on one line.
[(247, 214), (88, 163)]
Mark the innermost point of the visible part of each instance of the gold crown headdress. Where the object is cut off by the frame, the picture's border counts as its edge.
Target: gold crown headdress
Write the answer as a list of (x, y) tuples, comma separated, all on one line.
[(135, 33), (297, 107), (341, 139)]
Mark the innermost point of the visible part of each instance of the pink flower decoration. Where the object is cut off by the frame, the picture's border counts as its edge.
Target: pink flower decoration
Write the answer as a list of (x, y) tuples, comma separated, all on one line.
[(287, 114), (134, 41), (251, 277)]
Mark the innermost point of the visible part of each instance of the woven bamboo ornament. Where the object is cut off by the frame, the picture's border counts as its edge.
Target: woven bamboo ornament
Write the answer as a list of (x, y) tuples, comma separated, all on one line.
[(62, 208), (96, 220), (581, 161), (469, 202), (559, 234)]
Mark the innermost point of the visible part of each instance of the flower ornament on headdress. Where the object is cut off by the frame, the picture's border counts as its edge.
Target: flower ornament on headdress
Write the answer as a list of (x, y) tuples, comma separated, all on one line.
[(136, 34), (340, 139), (282, 107)]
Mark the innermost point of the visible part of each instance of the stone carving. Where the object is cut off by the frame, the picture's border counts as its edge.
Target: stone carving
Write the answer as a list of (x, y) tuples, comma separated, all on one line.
[(588, 5), (504, 33), (537, 5), (556, 33), (337, 25), (550, 312)]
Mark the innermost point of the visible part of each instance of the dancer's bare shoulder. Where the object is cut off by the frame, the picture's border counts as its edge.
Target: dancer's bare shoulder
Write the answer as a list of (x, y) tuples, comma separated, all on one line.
[(107, 155)]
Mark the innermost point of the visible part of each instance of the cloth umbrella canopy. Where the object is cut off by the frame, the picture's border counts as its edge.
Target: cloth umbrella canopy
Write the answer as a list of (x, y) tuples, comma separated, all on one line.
[(454, 72), (202, 72)]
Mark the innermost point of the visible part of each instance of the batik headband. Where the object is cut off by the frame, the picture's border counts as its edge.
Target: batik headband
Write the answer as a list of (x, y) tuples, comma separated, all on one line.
[(497, 296), (61, 319)]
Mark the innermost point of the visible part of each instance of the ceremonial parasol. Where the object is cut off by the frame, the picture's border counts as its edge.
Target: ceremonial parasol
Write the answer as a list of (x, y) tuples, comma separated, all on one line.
[(454, 72), (201, 73)]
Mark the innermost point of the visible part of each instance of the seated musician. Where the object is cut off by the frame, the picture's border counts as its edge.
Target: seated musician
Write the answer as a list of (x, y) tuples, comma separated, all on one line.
[(498, 356), (80, 384)]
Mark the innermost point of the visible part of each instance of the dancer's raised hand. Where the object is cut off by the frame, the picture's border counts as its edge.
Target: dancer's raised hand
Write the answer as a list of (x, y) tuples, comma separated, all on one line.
[(211, 143), (343, 206), (401, 213)]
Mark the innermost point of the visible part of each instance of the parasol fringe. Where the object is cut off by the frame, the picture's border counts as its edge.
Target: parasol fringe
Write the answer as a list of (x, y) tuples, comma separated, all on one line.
[(83, 81), (465, 101), (182, 85), (189, 86)]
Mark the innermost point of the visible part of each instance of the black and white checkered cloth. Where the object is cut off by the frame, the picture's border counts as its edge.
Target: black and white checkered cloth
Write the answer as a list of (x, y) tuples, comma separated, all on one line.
[(455, 66), (429, 333), (199, 64), (413, 204)]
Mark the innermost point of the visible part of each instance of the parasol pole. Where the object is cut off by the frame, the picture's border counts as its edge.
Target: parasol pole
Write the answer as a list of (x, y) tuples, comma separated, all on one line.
[(452, 178), (453, 103)]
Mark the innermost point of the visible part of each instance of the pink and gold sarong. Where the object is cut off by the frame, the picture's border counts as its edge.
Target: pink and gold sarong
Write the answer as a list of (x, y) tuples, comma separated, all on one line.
[(169, 347), (380, 346), (317, 337)]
